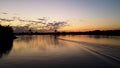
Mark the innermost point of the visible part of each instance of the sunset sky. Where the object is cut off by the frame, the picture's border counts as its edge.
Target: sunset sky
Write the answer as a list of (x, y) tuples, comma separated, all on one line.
[(81, 15)]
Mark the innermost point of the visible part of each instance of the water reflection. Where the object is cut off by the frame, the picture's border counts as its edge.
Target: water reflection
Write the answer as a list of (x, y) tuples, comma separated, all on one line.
[(112, 40), (37, 43), (5, 47), (38, 39), (48, 51)]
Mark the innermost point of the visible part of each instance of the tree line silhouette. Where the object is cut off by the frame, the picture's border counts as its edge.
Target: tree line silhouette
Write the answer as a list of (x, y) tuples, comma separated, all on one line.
[(94, 32), (6, 40), (44, 27), (6, 32)]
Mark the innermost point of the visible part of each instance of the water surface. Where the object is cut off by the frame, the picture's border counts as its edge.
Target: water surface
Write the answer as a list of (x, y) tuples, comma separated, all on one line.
[(50, 51)]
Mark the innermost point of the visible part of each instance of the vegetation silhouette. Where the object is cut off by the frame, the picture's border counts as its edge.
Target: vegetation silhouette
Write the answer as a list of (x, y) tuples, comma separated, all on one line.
[(5, 46), (6, 40), (44, 25), (95, 32), (6, 32)]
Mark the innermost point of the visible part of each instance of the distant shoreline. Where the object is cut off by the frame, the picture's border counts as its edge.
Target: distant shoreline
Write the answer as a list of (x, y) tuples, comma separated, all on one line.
[(96, 32)]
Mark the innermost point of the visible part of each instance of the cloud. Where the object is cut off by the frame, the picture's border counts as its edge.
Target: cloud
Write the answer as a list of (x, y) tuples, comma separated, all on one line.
[(41, 19), (31, 21), (19, 29), (56, 25), (4, 13), (6, 20), (41, 24), (47, 27)]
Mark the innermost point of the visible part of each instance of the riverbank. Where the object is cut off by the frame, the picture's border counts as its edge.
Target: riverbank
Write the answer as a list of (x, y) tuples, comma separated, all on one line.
[(95, 32)]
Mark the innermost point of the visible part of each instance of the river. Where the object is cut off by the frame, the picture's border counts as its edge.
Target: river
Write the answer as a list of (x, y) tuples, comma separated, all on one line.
[(66, 51)]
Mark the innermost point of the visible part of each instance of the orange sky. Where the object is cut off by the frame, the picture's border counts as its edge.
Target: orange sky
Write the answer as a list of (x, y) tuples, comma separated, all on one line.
[(81, 15)]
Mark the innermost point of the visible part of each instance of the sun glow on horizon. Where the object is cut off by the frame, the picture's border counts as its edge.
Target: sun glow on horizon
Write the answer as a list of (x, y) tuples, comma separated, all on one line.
[(80, 15)]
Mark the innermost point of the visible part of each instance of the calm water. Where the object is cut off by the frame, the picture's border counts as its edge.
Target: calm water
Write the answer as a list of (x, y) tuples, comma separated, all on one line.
[(59, 51)]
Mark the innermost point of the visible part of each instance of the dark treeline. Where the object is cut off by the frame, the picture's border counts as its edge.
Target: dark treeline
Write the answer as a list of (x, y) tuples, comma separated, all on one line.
[(95, 32), (6, 40), (6, 32), (5, 47)]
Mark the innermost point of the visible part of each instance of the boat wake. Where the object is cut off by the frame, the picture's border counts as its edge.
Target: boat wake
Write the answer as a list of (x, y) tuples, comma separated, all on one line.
[(100, 49)]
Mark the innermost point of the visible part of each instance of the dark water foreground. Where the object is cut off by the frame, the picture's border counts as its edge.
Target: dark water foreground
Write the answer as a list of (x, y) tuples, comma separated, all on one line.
[(49, 51), (5, 46)]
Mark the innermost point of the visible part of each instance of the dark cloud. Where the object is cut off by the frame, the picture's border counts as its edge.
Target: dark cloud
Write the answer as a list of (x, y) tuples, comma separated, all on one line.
[(41, 19), (47, 27), (22, 20), (31, 21), (18, 29), (40, 24), (55, 25), (4, 13), (6, 20)]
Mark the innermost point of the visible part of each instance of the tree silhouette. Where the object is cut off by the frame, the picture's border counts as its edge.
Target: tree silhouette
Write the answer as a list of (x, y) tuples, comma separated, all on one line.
[(6, 32)]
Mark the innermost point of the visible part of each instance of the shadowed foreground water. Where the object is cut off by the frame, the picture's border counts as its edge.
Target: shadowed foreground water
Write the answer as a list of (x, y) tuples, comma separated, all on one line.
[(48, 51)]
